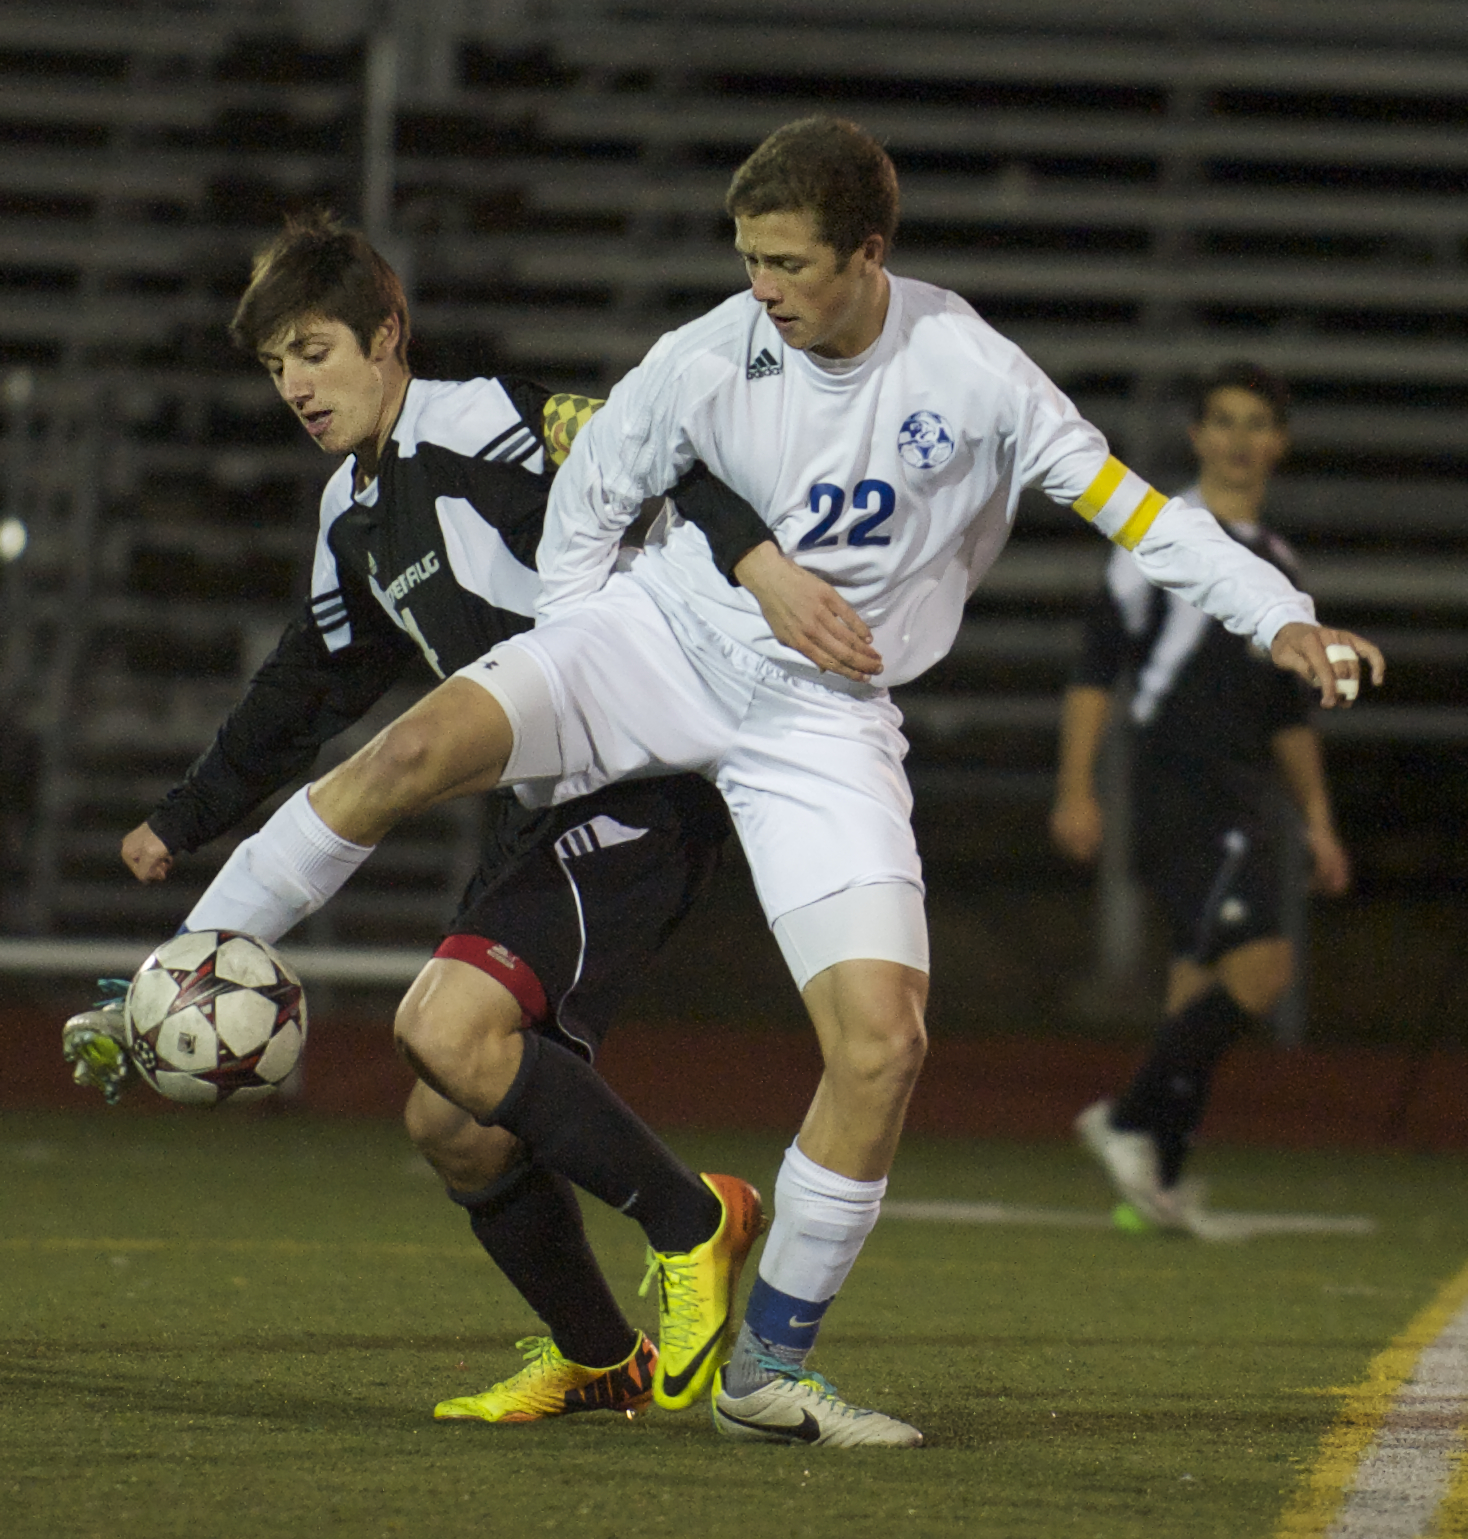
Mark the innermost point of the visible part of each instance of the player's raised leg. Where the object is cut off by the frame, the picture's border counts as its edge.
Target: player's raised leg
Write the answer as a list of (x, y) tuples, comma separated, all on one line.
[(455, 740), (868, 1015), (699, 1228)]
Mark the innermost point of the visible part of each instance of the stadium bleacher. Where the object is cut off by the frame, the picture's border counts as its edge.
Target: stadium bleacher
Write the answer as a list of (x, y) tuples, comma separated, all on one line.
[(1132, 189)]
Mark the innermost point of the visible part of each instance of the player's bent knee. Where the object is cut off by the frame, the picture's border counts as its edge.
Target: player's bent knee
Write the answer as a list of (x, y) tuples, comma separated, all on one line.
[(893, 1056), (405, 763), (1259, 975), (455, 741), (422, 1036), (1260, 994), (869, 1016), (459, 1030), (465, 1154), (431, 1122)]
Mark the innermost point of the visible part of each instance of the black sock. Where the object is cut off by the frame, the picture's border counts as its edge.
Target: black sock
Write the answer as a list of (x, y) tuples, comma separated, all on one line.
[(530, 1223), (571, 1120), (1170, 1092)]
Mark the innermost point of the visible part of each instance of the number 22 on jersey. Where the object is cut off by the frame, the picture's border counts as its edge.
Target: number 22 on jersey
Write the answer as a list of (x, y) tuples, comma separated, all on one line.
[(874, 500)]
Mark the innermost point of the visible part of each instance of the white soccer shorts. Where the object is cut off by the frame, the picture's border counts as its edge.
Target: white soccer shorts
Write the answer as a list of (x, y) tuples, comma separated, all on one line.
[(812, 774)]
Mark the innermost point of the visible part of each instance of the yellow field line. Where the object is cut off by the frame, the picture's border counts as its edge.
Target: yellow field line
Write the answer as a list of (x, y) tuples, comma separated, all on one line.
[(1321, 1495)]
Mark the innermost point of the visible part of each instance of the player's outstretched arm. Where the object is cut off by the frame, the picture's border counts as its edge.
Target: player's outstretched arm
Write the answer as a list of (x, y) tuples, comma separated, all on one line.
[(301, 697), (1179, 546), (808, 615), (454, 741), (1325, 658)]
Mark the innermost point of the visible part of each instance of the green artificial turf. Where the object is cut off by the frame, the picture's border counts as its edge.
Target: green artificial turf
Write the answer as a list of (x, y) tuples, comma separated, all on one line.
[(216, 1325)]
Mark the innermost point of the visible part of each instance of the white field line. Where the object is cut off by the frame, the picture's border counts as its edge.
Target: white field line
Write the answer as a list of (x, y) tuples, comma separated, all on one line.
[(1392, 1466), (53, 1244), (1401, 1482), (1221, 1225)]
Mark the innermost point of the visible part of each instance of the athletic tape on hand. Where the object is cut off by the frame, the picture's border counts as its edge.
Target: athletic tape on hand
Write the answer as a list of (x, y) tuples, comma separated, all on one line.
[(1339, 652)]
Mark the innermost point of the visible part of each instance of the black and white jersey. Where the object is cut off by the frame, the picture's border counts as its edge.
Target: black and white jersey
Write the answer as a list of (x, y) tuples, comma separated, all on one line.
[(1205, 703), (443, 540), (434, 559)]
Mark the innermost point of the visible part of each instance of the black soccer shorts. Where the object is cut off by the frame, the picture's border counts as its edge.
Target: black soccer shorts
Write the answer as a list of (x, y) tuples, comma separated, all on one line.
[(1214, 863), (569, 923)]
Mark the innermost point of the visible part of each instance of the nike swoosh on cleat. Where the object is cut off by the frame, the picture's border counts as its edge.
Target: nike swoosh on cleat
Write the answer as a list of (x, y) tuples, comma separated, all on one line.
[(808, 1431), (675, 1383)]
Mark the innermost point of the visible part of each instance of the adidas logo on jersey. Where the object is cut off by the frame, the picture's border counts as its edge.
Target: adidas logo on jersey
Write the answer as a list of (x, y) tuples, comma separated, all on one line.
[(763, 365)]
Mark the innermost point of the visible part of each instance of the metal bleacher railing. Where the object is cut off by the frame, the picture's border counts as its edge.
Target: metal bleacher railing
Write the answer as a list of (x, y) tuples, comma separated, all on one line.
[(1133, 189)]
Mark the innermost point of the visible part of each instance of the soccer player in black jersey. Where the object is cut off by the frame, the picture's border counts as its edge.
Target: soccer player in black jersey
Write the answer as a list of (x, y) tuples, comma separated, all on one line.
[(427, 550), (1215, 729)]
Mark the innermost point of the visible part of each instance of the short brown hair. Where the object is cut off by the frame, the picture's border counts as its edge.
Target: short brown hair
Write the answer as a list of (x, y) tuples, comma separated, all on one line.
[(1241, 375), (831, 168), (317, 268)]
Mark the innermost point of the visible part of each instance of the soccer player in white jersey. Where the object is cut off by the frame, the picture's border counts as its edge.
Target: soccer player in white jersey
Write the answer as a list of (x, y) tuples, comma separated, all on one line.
[(884, 432)]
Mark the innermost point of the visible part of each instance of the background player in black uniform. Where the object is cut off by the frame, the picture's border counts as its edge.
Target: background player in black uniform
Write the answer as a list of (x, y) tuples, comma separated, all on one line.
[(427, 550), (1215, 728)]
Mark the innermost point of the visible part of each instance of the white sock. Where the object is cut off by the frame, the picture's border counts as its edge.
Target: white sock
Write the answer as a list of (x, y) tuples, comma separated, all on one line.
[(821, 1222), (278, 876)]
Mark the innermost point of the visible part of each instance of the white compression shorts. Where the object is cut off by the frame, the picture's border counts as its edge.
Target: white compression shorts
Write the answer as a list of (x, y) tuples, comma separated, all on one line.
[(880, 922), (812, 774)]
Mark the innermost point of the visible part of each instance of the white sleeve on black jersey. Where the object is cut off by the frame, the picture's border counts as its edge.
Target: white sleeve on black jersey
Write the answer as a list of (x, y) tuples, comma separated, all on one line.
[(328, 606)]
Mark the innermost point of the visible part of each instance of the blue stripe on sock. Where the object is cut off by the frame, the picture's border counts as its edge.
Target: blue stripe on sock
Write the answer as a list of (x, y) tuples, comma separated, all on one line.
[(782, 1320)]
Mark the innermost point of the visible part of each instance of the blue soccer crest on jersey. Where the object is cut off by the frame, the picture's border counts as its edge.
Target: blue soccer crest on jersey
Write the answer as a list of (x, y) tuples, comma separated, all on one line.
[(926, 441)]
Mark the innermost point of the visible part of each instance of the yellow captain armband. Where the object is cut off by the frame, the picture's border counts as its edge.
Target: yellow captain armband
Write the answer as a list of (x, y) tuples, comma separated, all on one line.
[(1120, 503), (562, 419)]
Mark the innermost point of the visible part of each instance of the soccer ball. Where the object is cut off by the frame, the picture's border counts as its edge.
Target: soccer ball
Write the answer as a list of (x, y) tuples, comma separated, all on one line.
[(215, 1015)]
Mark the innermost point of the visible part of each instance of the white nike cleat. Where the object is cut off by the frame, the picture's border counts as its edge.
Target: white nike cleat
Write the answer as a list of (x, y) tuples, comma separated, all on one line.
[(1183, 1207), (1130, 1162), (801, 1407)]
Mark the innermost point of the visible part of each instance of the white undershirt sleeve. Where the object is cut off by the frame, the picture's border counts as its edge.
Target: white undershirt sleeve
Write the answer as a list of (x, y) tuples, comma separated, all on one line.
[(632, 449), (584, 522), (1185, 551), (1177, 545)]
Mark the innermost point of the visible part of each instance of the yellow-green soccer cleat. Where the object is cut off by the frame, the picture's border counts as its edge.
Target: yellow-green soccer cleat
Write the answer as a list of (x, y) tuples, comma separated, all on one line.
[(799, 1406), (94, 1043), (696, 1291), (552, 1385), (1126, 1218)]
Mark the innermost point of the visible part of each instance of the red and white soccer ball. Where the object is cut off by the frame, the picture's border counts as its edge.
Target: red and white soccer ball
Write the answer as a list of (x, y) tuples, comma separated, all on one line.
[(213, 1016)]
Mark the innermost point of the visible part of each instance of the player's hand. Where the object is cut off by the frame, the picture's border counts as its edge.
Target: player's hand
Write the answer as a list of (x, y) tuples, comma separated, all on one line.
[(1300, 648), (808, 615), (1075, 826), (146, 855), (1332, 864)]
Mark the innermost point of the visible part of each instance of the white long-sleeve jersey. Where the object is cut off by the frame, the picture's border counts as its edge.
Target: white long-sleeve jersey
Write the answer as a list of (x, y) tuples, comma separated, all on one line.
[(895, 477)]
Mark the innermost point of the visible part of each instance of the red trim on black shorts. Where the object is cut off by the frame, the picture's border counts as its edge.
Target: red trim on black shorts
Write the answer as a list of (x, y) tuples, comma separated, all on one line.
[(503, 966)]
